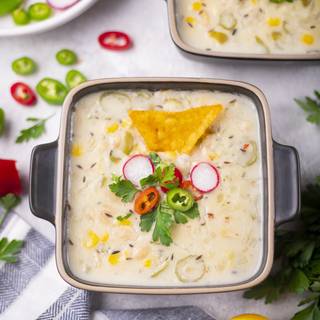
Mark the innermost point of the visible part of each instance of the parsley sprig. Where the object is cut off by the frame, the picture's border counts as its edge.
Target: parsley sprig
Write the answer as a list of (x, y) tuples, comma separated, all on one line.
[(123, 189), (35, 131), (10, 249), (163, 174), (312, 107), (8, 202), (298, 257), (163, 219)]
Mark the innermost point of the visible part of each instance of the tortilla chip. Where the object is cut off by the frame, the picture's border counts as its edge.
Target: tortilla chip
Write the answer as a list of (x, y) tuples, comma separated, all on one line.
[(174, 131)]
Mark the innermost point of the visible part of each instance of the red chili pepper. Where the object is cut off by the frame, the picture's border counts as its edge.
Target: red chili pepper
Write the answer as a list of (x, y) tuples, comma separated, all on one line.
[(187, 185), (178, 176), (23, 94), (9, 178), (115, 40)]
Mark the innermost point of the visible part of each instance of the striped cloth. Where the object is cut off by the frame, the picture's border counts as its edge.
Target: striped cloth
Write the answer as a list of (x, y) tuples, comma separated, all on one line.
[(33, 289)]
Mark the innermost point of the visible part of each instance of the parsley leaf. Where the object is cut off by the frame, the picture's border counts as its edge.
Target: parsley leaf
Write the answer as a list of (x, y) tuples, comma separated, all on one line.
[(312, 107), (8, 202), (124, 189), (147, 220), (163, 223), (10, 249), (2, 121), (164, 175), (33, 132), (127, 216), (164, 217), (156, 160), (182, 217), (298, 260)]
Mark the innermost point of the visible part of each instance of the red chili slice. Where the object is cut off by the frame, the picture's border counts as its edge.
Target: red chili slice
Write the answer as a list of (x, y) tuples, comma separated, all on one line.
[(178, 176), (23, 94), (9, 178), (115, 40), (187, 185)]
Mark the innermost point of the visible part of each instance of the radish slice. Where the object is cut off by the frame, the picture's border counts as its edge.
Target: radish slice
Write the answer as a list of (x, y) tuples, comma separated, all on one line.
[(205, 177), (61, 4), (137, 167)]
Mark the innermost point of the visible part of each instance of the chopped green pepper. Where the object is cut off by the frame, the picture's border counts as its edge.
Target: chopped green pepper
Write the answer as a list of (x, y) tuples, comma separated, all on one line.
[(20, 17), (66, 57), (7, 6), (74, 78), (180, 199), (52, 91), (24, 66), (39, 11), (2, 121)]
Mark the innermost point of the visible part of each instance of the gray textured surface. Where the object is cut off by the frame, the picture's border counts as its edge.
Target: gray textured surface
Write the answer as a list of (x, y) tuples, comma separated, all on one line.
[(154, 54)]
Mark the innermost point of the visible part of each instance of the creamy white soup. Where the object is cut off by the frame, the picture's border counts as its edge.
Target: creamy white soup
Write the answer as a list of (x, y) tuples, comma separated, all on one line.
[(250, 26), (165, 188)]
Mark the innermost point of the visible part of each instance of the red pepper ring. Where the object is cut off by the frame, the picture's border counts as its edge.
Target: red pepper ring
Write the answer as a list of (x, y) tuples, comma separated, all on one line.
[(23, 94), (115, 40), (9, 178)]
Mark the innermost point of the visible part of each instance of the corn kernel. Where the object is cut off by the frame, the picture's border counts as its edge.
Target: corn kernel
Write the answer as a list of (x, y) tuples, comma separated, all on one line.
[(213, 156), (254, 2), (124, 222), (274, 22), (197, 6), (105, 237), (147, 263), (125, 123), (113, 128), (190, 20), (276, 35), (219, 36), (92, 239), (307, 39), (114, 258), (76, 150)]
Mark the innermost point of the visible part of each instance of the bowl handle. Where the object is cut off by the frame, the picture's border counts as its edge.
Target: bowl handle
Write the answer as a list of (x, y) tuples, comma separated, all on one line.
[(43, 169), (287, 183)]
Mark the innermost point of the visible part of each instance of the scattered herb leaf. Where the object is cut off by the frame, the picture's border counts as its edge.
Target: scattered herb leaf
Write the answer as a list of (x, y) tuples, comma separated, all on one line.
[(298, 260), (122, 218), (10, 249), (33, 132), (122, 188), (2, 122), (312, 107)]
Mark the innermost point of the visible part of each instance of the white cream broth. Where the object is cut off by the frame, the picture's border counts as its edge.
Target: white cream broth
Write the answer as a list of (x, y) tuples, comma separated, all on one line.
[(225, 242), (250, 26)]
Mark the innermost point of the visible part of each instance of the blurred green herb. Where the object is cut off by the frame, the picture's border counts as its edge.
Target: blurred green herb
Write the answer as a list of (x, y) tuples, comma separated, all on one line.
[(298, 255), (8, 202), (34, 131), (312, 107), (10, 249), (2, 121)]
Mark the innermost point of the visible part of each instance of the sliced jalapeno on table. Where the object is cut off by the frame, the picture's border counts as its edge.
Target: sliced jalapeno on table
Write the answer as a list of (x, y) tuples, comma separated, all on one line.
[(20, 17), (180, 199), (74, 78), (52, 91), (23, 94), (66, 57), (7, 6), (39, 11), (24, 66)]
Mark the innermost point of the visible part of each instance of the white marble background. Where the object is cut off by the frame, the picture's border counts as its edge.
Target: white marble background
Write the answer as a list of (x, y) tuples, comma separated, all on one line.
[(154, 54)]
